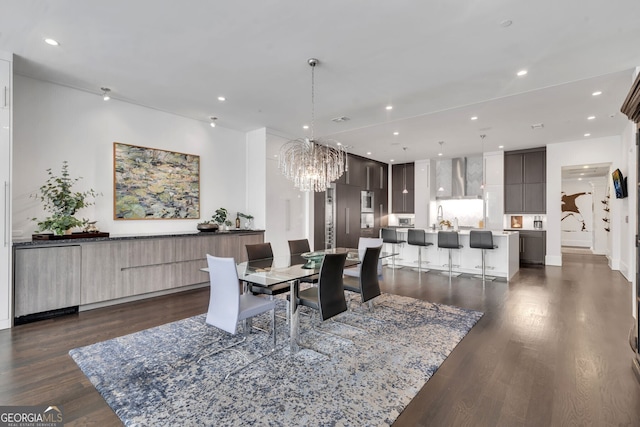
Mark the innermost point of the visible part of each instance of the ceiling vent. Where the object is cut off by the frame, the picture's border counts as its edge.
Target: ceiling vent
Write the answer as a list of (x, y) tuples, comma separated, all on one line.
[(340, 119), (537, 126)]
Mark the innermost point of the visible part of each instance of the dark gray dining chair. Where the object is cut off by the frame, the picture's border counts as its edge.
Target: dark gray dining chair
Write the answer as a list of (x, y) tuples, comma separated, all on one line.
[(368, 285), (449, 240), (482, 239), (296, 248), (328, 297), (260, 255)]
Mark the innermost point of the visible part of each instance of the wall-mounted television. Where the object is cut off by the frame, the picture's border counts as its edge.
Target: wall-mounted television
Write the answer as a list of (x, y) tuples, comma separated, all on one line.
[(619, 184)]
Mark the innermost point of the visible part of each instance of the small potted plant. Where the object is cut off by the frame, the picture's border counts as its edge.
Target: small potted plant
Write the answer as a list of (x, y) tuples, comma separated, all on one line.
[(59, 199), (220, 217), (249, 218)]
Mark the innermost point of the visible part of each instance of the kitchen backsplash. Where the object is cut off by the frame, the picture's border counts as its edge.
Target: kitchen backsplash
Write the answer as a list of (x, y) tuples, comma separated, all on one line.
[(468, 211)]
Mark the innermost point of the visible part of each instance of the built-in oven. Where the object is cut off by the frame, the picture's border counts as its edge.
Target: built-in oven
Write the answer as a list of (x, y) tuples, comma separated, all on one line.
[(366, 201)]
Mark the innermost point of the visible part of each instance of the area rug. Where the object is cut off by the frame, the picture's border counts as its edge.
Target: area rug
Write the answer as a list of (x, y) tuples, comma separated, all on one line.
[(362, 369)]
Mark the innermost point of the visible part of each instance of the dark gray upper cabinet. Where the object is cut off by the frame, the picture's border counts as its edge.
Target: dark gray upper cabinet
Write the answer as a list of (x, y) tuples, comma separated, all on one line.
[(525, 174), (402, 177)]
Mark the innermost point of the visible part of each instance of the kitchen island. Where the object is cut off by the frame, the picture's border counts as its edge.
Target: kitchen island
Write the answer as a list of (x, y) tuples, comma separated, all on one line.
[(502, 262)]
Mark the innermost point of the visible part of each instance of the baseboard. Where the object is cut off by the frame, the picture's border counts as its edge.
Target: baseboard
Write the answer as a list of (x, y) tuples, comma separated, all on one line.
[(576, 243), (45, 315), (553, 260)]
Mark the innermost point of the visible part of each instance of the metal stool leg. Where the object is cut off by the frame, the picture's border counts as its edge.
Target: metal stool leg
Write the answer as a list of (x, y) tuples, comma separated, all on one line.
[(484, 251), (419, 260), (450, 264)]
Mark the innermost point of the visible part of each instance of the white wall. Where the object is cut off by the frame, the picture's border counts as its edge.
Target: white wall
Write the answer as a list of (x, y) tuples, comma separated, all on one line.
[(288, 209), (54, 123), (257, 177), (574, 153), (600, 190)]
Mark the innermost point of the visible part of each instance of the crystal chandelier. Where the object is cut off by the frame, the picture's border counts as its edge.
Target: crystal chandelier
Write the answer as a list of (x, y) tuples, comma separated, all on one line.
[(312, 164)]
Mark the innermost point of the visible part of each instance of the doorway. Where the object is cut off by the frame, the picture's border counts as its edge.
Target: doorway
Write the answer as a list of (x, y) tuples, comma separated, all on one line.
[(585, 221)]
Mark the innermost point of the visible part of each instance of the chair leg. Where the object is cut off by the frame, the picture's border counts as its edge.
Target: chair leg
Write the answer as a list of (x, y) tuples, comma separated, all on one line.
[(450, 264), (273, 327)]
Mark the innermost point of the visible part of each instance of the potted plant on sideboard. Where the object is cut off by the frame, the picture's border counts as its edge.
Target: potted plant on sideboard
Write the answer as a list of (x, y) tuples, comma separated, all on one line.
[(62, 202)]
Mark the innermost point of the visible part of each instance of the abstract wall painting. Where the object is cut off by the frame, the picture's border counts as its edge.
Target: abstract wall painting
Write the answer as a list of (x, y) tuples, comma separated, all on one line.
[(150, 183), (576, 211)]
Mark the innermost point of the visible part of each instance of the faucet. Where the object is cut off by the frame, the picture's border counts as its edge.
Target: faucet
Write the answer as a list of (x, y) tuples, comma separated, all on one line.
[(455, 223), (440, 214)]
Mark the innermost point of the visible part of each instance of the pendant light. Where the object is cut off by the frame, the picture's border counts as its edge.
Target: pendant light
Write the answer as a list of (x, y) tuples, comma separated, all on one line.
[(482, 137), (405, 191), (441, 189), (312, 164)]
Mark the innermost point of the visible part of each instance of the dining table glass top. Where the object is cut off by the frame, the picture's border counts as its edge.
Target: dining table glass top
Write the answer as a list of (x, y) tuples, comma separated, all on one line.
[(280, 269)]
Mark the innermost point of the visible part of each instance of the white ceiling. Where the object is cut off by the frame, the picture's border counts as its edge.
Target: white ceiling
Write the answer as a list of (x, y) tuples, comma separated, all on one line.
[(437, 63)]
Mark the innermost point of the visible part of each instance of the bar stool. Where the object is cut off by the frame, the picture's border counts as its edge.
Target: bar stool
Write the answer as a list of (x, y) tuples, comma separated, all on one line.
[(389, 235), (417, 237), (449, 240), (482, 240)]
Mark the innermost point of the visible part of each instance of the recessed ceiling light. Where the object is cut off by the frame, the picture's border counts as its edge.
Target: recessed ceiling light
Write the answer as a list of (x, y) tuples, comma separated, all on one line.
[(587, 134), (506, 23), (222, 98), (275, 155), (212, 123), (585, 167), (368, 153), (396, 133), (582, 174), (339, 143), (389, 107), (51, 42), (596, 93), (522, 73), (500, 146), (474, 118), (392, 160), (439, 154), (305, 127), (579, 179), (591, 117)]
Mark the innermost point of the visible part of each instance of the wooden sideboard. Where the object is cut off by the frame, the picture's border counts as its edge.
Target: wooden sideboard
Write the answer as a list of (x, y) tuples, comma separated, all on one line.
[(62, 276)]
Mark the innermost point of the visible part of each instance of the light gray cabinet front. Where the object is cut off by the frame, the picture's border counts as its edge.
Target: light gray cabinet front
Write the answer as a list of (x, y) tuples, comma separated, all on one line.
[(46, 279)]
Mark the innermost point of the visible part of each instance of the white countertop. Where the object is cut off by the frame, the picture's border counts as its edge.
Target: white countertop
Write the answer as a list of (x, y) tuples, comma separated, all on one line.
[(462, 232)]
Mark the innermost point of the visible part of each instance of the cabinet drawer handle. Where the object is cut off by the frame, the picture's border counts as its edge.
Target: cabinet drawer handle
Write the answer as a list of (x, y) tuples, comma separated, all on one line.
[(6, 96)]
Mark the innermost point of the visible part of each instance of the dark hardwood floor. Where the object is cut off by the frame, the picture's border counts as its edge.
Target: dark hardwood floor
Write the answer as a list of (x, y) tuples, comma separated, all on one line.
[(551, 350)]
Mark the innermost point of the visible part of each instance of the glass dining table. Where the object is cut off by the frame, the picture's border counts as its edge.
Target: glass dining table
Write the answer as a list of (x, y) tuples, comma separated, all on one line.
[(292, 269)]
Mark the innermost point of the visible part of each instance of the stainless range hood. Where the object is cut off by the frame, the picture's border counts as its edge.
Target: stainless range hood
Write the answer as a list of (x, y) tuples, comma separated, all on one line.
[(459, 178)]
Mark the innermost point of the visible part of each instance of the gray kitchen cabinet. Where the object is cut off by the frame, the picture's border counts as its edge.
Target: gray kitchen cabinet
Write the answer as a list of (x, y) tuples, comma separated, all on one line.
[(402, 177), (46, 279), (533, 247), (525, 181)]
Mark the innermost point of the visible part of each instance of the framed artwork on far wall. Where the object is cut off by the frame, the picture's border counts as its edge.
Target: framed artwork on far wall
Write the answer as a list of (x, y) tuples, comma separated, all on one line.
[(149, 183)]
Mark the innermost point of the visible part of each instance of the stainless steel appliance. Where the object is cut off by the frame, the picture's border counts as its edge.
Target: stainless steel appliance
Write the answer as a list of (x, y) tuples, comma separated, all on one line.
[(537, 222), (366, 201), (405, 222)]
